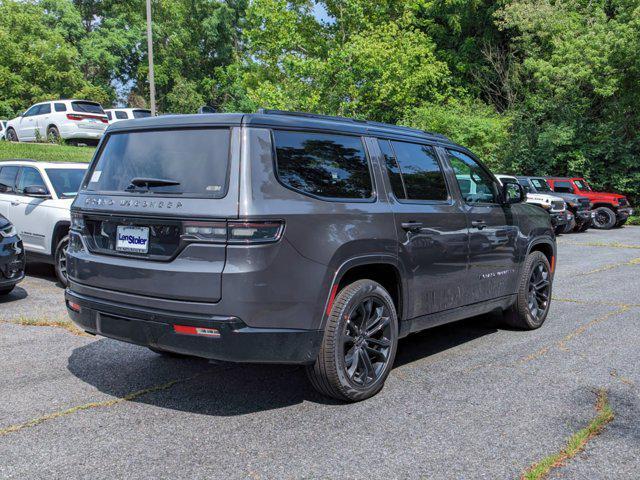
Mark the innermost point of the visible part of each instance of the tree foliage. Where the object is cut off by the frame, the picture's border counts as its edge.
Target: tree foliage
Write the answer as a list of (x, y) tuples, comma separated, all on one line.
[(533, 86)]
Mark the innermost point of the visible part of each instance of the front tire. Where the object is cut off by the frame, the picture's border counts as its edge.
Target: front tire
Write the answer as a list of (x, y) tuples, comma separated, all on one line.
[(359, 344), (12, 136), (61, 261), (534, 294), (604, 218)]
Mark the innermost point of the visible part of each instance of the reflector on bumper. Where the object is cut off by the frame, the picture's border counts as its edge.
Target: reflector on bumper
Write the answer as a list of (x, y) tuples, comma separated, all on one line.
[(187, 330)]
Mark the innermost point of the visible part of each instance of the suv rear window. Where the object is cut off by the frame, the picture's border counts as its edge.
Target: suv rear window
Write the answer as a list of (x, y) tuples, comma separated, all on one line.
[(87, 107), (326, 165), (141, 113), (197, 159)]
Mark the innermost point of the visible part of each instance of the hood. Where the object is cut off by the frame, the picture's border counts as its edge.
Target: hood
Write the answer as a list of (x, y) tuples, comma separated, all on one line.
[(603, 195), (543, 197), (569, 197)]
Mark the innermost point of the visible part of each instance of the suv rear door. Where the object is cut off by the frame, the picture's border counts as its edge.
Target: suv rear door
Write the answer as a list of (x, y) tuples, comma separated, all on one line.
[(8, 174), (118, 207), (431, 226)]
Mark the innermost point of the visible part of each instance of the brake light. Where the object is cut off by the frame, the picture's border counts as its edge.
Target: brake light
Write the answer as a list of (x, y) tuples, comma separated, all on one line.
[(77, 117), (234, 232)]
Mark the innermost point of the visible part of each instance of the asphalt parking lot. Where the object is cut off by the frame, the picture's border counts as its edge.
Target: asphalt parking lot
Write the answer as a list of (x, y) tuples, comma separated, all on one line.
[(468, 400)]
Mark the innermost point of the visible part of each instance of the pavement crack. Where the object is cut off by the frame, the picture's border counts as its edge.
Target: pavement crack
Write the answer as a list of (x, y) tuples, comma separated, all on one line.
[(611, 266), (601, 244), (576, 443), (590, 302), (91, 405)]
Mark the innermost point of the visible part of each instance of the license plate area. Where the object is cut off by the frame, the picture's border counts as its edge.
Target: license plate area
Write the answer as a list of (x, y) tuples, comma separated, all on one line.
[(132, 239)]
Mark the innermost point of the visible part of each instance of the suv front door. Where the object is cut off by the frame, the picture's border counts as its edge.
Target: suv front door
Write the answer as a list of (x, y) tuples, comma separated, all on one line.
[(42, 119), (431, 227), (30, 213), (493, 231), (27, 124)]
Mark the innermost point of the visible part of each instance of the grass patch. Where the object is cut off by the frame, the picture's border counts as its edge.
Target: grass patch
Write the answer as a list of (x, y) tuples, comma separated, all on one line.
[(46, 152), (35, 322), (576, 443), (634, 220)]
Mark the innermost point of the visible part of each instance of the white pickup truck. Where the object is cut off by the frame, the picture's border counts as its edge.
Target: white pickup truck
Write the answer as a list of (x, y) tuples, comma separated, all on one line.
[(36, 198)]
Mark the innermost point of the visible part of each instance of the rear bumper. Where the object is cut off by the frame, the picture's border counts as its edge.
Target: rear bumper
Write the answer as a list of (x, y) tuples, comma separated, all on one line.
[(152, 328)]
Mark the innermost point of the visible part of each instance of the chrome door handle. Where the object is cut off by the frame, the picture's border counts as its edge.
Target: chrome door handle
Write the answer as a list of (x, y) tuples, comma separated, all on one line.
[(479, 224)]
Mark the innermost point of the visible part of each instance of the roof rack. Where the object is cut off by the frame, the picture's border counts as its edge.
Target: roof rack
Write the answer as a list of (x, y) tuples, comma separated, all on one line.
[(268, 111)]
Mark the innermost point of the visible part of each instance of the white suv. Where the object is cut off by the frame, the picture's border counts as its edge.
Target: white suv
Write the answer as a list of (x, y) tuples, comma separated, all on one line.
[(3, 129), (118, 114), (73, 120), (36, 197)]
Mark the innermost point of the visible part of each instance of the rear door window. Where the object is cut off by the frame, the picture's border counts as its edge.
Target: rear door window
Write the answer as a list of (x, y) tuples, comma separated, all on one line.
[(563, 187), (192, 161), (141, 113), (87, 107), (45, 108), (121, 115), (419, 170), (323, 165), (59, 107), (540, 185), (8, 178)]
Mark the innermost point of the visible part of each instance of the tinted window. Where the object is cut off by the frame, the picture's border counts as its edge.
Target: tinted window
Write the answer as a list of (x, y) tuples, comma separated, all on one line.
[(475, 183), (108, 115), (121, 115), (540, 185), (30, 177), (66, 181), (141, 113), (60, 107), (44, 109), (333, 166), (8, 178), (563, 187), (421, 173), (196, 158), (393, 169), (87, 107), (32, 111), (582, 186)]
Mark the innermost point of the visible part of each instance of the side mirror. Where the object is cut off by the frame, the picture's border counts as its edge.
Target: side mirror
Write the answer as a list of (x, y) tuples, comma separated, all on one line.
[(36, 191), (513, 193)]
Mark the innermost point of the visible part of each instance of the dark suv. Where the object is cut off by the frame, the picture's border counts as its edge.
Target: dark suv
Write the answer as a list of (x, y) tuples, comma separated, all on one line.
[(296, 238)]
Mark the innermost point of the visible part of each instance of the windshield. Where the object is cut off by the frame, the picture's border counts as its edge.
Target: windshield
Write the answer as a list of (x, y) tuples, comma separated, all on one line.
[(87, 107), (181, 161), (66, 181), (540, 185), (582, 185)]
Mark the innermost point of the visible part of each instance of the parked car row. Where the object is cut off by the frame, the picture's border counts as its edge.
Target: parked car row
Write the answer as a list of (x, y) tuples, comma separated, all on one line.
[(75, 121), (282, 237), (572, 205)]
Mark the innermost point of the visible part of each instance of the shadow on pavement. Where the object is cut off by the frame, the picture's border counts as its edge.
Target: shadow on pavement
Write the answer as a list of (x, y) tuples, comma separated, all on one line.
[(226, 389), (43, 271)]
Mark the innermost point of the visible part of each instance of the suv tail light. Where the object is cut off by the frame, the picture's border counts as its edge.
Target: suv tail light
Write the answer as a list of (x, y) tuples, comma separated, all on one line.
[(250, 232), (77, 117)]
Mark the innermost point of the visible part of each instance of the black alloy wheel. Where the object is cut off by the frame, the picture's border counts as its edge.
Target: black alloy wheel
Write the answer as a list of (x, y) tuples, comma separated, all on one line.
[(604, 218), (366, 341), (61, 261), (539, 291)]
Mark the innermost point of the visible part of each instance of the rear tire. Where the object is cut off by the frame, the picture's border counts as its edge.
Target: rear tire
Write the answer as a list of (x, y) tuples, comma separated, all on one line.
[(359, 344), (53, 135), (534, 294), (12, 136), (7, 290), (61, 261), (604, 218)]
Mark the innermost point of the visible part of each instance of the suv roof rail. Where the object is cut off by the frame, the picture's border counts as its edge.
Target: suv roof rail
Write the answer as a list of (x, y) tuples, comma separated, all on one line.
[(268, 111)]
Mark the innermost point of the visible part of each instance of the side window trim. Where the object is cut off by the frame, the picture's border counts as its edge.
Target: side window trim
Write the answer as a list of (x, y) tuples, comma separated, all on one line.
[(481, 165), (414, 201), (374, 193)]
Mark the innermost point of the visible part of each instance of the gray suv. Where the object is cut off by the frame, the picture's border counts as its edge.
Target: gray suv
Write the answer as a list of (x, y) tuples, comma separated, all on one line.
[(295, 238)]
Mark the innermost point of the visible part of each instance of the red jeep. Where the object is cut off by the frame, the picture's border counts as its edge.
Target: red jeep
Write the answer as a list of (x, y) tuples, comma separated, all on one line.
[(609, 210)]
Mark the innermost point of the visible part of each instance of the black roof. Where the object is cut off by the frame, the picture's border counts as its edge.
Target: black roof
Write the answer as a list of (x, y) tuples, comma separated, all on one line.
[(282, 119)]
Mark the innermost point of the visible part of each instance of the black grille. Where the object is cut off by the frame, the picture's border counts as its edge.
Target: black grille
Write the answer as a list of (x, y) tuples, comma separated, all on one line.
[(164, 236), (557, 205), (583, 204)]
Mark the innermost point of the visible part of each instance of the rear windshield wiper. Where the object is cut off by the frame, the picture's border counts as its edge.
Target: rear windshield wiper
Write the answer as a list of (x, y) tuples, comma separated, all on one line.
[(151, 182)]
